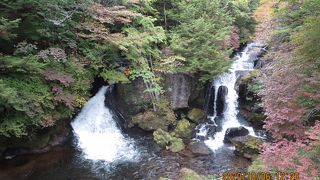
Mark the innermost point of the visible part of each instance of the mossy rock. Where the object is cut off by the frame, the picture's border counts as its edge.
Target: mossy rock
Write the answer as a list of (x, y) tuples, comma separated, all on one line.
[(197, 115), (247, 146), (189, 174), (184, 128), (131, 97), (150, 121), (161, 137), (176, 145), (168, 141)]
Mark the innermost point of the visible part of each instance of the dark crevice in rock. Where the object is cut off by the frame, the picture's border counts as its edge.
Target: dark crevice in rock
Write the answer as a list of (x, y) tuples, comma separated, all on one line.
[(221, 100)]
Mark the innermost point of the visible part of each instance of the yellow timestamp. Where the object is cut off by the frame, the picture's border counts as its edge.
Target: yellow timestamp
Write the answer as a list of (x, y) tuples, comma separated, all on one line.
[(260, 176)]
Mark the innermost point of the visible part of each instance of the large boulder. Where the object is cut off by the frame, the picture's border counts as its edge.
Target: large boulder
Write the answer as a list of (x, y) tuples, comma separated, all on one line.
[(168, 141), (199, 148), (197, 115), (178, 89), (247, 146), (184, 128), (234, 132), (150, 121), (131, 98)]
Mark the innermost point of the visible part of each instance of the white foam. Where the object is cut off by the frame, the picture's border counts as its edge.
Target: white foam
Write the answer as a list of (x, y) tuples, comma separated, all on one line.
[(97, 133), (229, 119)]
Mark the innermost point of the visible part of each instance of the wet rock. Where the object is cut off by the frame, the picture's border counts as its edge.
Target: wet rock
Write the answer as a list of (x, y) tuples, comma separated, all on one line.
[(211, 130), (234, 132), (221, 99), (150, 121), (196, 115), (246, 146), (40, 142), (241, 73), (210, 101), (259, 63), (168, 141), (199, 148), (255, 53), (184, 128)]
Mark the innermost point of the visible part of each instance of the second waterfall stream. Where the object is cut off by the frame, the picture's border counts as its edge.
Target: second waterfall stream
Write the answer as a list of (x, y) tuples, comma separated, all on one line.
[(227, 115), (97, 132)]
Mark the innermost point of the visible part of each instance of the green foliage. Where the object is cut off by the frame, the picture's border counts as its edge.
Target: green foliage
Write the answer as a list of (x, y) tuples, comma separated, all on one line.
[(242, 12), (51, 51), (308, 40), (140, 47), (257, 165), (307, 102), (255, 87), (161, 137), (22, 65), (114, 77), (198, 41), (6, 26)]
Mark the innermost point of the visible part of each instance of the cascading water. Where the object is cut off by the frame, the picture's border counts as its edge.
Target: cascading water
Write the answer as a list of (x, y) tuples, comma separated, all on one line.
[(98, 135), (227, 112)]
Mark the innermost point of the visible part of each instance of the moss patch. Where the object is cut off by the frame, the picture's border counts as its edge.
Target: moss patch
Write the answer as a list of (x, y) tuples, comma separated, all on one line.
[(197, 115), (150, 121), (168, 141)]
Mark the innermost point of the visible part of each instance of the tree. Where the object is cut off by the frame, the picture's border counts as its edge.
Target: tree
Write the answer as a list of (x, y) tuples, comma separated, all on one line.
[(199, 36), (140, 47)]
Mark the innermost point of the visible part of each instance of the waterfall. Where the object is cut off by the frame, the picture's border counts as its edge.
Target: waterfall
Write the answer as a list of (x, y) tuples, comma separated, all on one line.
[(224, 92), (97, 133)]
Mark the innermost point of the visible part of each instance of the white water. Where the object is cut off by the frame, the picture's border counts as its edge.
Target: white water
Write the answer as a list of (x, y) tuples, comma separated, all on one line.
[(97, 133), (229, 118)]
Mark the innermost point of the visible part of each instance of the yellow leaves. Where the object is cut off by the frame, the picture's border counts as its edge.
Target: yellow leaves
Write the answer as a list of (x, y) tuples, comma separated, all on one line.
[(80, 101), (102, 15), (111, 15), (100, 32), (170, 64)]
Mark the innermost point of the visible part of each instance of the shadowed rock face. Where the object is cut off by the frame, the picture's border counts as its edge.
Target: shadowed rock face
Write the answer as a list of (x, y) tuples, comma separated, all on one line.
[(178, 87), (211, 100), (221, 99)]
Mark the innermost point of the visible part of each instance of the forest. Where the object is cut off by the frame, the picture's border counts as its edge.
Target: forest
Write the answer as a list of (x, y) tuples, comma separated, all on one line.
[(52, 53)]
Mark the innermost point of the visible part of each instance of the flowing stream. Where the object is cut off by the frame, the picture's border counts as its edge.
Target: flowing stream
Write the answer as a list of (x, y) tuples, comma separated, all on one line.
[(97, 133), (100, 150), (226, 112)]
